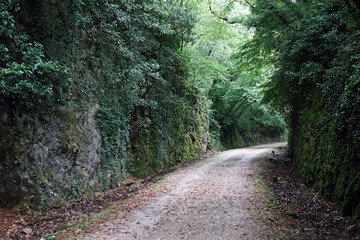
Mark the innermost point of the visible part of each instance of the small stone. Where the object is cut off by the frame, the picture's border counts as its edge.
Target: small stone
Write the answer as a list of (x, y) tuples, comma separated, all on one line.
[(97, 195), (27, 231), (73, 212)]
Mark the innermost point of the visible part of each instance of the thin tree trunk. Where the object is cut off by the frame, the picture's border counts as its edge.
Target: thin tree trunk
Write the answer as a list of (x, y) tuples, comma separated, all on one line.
[(182, 42), (234, 104), (243, 110), (239, 107)]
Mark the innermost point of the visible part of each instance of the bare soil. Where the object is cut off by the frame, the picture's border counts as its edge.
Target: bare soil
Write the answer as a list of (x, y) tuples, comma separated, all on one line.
[(7, 219), (296, 211)]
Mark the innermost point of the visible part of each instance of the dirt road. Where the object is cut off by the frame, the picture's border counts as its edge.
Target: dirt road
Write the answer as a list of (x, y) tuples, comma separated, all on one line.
[(208, 200)]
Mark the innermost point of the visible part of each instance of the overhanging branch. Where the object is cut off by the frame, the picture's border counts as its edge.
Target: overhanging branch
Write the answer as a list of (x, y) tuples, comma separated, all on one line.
[(249, 4), (220, 17)]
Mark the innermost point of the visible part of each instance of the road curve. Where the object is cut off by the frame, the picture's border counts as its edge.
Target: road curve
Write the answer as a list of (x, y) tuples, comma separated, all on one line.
[(208, 200)]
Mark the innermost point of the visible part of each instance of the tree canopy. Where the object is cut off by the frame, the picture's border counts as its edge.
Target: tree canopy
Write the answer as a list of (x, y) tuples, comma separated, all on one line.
[(313, 50), (237, 113)]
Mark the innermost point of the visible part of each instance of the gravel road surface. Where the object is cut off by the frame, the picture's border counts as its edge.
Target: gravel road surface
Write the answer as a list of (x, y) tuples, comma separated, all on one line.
[(207, 200)]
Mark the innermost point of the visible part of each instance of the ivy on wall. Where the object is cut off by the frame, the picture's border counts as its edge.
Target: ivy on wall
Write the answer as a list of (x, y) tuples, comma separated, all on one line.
[(122, 56), (314, 47), (28, 79)]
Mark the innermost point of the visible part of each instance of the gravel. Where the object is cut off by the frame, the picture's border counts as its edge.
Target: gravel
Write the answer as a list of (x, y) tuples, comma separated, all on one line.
[(211, 199)]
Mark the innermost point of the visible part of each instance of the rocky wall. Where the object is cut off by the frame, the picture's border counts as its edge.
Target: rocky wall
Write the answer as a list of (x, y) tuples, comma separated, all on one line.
[(323, 160), (121, 106)]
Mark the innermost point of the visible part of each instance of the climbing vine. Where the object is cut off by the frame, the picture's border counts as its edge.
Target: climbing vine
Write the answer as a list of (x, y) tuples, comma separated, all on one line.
[(314, 48), (30, 82)]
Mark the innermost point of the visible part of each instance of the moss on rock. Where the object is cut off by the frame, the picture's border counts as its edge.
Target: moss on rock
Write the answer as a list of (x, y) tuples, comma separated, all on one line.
[(323, 162)]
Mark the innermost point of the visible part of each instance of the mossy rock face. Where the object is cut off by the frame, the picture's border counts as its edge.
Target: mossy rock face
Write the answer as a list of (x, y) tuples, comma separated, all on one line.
[(58, 203), (322, 162), (352, 198), (357, 212), (125, 106), (60, 151), (233, 139), (339, 191), (175, 141), (144, 163)]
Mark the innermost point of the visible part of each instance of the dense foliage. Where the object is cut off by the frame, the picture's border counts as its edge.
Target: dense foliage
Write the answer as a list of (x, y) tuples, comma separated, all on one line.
[(27, 78), (92, 92), (63, 62), (237, 115), (314, 49)]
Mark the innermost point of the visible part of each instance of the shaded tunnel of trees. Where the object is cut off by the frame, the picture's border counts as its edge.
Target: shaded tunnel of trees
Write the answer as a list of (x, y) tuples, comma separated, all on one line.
[(92, 92)]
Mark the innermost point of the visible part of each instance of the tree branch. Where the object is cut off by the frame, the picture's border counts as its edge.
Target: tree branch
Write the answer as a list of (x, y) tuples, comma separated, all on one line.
[(234, 104), (238, 108), (222, 18), (249, 4), (243, 110)]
